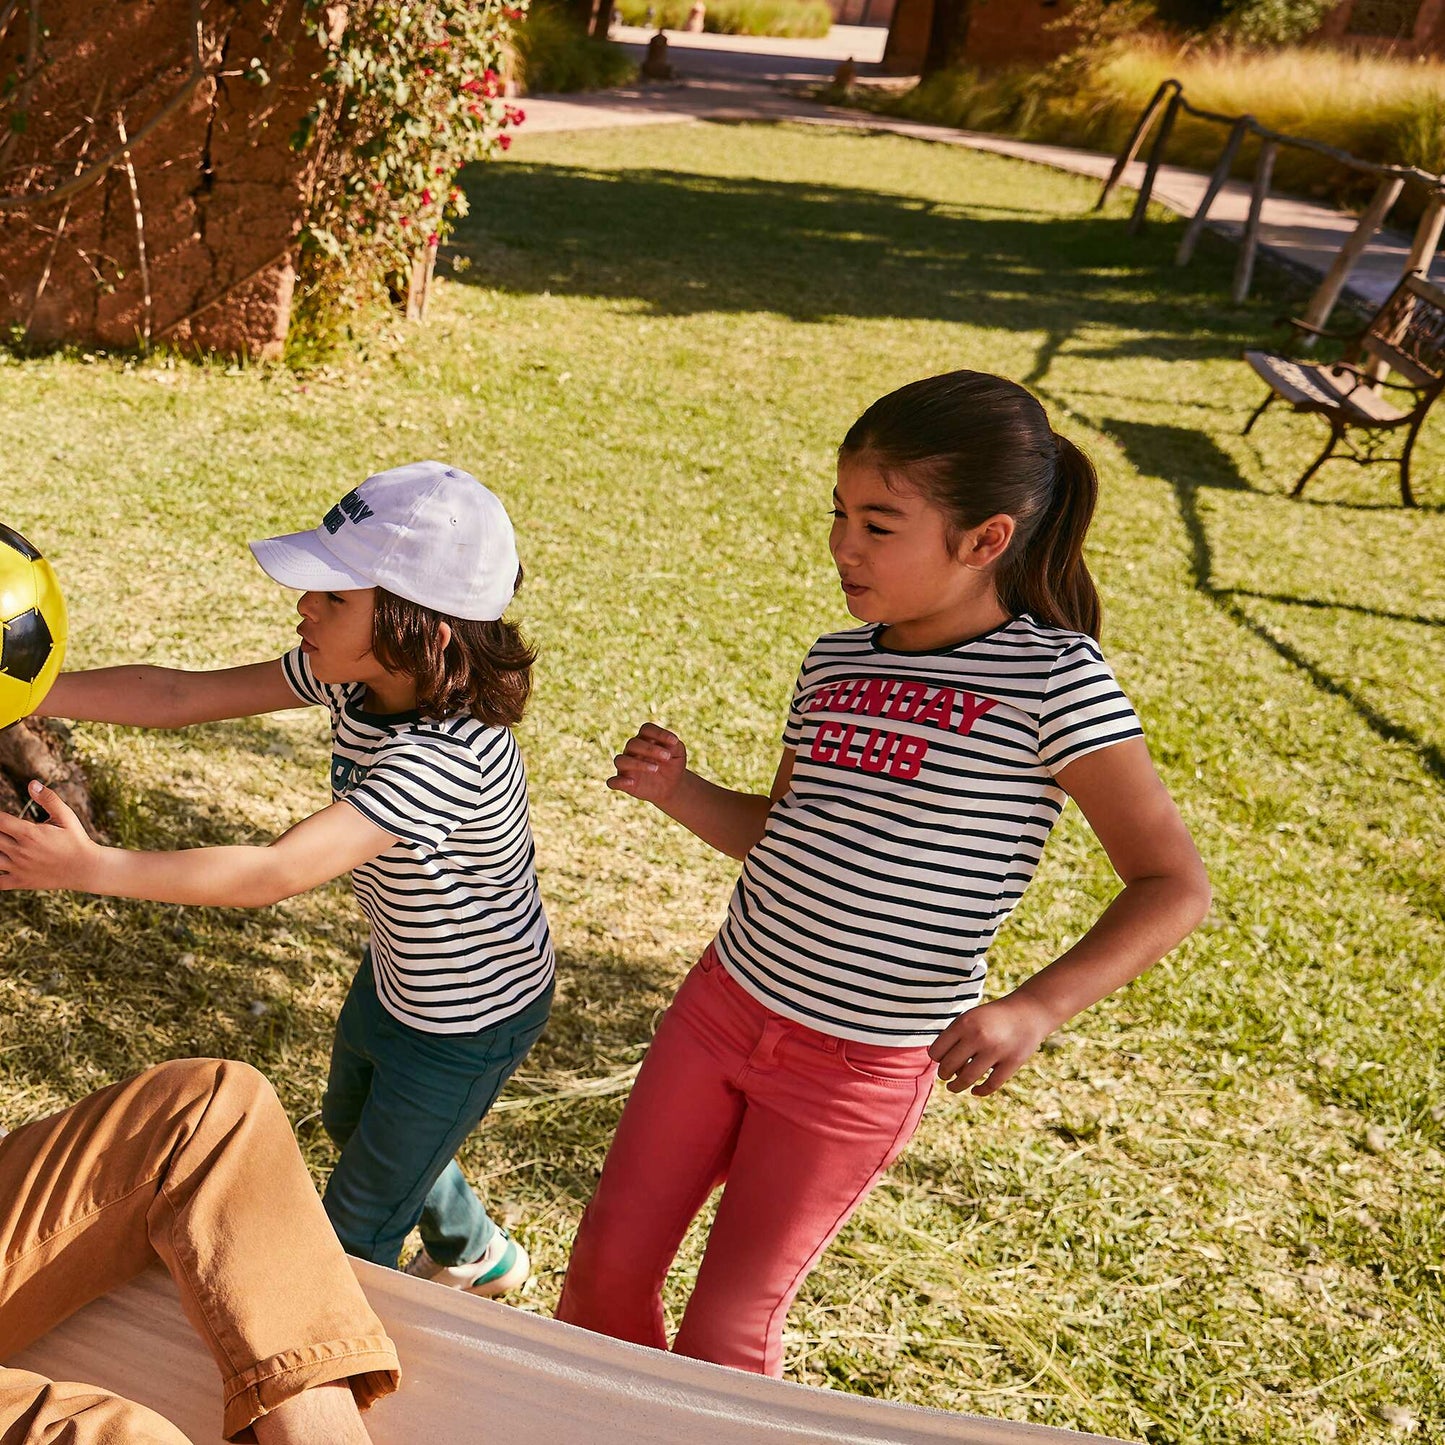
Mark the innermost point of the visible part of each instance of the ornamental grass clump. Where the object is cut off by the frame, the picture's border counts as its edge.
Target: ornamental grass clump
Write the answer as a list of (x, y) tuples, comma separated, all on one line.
[(555, 55), (1376, 107)]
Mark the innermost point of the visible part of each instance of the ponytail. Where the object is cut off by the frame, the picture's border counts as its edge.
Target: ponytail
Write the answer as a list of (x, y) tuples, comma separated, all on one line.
[(1047, 576), (979, 446)]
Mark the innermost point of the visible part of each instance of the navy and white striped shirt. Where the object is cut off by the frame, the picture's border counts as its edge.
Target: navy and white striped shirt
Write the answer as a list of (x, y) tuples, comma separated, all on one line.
[(459, 941), (923, 791)]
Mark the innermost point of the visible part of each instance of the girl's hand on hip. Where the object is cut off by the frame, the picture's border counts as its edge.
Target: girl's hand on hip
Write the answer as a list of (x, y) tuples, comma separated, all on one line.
[(651, 765), (56, 854), (985, 1047)]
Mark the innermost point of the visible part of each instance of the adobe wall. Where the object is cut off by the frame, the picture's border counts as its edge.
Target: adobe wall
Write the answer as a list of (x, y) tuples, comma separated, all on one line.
[(221, 193), (1000, 32), (1398, 27)]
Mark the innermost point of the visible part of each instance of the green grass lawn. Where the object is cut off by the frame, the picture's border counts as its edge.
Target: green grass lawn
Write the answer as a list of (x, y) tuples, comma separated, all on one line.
[(1211, 1211)]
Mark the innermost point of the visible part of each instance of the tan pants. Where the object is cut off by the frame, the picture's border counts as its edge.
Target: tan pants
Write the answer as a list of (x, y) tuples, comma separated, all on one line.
[(193, 1162)]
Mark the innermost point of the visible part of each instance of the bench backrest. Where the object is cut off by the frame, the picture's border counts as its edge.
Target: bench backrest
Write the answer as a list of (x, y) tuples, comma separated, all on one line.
[(1408, 333)]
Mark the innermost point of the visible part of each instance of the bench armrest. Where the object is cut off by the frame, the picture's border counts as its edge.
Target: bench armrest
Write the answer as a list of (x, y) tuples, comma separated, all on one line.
[(1304, 328)]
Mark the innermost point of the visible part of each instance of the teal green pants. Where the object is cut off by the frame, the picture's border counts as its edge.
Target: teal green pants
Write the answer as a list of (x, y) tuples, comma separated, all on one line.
[(398, 1104)]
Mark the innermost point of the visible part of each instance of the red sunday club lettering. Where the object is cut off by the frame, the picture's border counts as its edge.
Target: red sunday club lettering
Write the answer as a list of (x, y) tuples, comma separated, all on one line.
[(882, 750)]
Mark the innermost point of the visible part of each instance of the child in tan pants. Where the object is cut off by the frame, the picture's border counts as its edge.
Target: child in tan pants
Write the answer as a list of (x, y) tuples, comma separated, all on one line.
[(193, 1163)]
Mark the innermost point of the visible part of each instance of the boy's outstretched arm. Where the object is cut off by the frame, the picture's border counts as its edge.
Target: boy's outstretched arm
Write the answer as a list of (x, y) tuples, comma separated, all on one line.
[(1165, 895), (168, 697), (60, 854), (653, 766)]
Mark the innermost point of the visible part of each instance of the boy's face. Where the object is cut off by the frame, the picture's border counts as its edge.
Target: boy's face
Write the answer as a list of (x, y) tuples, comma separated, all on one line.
[(335, 632)]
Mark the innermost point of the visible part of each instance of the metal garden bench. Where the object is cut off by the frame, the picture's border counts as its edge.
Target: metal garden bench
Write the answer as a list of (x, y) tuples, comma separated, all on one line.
[(1405, 337)]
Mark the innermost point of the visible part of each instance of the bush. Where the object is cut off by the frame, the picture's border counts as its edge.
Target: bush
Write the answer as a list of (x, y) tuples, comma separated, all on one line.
[(1273, 22), (555, 55), (413, 89), (795, 18)]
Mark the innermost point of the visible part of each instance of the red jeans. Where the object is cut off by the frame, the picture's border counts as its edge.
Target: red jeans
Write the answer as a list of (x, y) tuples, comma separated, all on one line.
[(799, 1124)]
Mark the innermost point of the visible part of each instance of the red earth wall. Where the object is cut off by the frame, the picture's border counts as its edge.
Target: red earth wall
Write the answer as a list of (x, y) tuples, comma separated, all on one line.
[(221, 193)]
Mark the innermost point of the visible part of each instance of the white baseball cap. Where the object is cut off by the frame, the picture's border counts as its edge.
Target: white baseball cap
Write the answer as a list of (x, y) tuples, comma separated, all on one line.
[(426, 531)]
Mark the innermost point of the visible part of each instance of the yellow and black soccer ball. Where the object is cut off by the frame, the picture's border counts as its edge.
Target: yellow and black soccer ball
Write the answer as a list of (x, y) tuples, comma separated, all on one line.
[(32, 627)]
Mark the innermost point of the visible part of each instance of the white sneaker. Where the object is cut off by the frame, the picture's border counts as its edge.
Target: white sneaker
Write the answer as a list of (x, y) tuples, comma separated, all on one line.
[(503, 1266)]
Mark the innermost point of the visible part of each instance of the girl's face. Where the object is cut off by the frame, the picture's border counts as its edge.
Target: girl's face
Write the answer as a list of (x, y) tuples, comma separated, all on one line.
[(891, 548)]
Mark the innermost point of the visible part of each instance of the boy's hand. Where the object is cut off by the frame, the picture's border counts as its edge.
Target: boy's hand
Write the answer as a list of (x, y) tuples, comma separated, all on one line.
[(651, 765), (986, 1046), (57, 854)]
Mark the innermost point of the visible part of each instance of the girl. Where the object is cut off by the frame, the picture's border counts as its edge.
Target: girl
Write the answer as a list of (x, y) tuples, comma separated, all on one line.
[(403, 641), (926, 755)]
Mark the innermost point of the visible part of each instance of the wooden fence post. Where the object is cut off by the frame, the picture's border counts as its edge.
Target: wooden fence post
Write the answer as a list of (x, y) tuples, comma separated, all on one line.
[(1323, 301), (1156, 154), (1237, 133), (1422, 253), (1136, 139), (1249, 242), (1427, 235)]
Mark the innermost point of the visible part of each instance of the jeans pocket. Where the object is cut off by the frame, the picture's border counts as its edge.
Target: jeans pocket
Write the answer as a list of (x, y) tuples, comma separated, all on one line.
[(895, 1068), (709, 962)]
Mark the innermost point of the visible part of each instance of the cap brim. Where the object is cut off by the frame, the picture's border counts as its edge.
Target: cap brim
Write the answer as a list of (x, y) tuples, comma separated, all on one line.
[(299, 560)]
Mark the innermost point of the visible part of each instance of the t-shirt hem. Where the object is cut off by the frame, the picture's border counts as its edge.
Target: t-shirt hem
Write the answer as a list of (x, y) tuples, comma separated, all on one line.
[(821, 1026), (424, 1025)]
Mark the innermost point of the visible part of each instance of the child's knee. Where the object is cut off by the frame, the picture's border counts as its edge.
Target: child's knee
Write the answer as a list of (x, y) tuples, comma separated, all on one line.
[(224, 1086)]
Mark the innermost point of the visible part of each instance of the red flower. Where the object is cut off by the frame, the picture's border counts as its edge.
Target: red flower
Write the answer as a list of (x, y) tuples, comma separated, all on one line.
[(432, 239), (406, 220), (472, 87), (426, 197), (426, 70), (452, 196), (505, 141), (475, 111), (440, 170)]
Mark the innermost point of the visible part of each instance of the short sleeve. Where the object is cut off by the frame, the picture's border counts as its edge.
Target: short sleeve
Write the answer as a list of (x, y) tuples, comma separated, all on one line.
[(301, 680), (793, 727), (1083, 708), (421, 788)]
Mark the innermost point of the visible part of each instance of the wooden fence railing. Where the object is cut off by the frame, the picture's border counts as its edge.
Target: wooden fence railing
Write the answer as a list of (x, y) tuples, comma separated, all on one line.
[(1165, 105)]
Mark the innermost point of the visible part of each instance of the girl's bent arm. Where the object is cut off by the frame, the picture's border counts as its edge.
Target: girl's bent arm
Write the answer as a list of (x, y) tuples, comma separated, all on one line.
[(60, 854), (1165, 895), (653, 766), (167, 697)]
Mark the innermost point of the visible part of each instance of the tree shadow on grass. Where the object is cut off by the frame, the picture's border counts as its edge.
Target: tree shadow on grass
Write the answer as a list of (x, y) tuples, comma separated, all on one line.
[(1155, 450), (680, 244)]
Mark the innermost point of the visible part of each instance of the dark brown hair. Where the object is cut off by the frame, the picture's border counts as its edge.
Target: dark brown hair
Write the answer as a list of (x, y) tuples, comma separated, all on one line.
[(976, 446), (485, 669)]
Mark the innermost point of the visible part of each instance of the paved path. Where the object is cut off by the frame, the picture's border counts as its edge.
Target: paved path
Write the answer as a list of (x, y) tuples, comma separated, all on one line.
[(733, 77)]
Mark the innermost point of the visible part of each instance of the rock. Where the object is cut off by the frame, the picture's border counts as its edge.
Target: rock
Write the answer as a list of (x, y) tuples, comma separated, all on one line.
[(34, 748)]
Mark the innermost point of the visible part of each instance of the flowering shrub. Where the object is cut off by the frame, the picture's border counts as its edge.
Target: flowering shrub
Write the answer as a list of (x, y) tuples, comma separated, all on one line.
[(413, 90)]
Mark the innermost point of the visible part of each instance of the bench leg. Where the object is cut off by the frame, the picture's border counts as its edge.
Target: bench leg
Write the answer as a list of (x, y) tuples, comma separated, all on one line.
[(1336, 432), (1407, 497), (1258, 412)]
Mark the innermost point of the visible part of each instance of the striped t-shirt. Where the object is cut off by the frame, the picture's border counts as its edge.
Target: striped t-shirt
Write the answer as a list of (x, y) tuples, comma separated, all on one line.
[(459, 941), (922, 794)]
